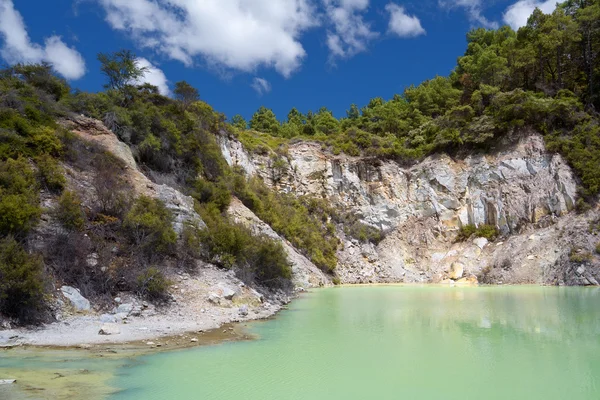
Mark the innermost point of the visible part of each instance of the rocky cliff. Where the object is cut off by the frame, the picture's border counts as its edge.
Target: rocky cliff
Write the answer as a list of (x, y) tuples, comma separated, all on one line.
[(519, 187)]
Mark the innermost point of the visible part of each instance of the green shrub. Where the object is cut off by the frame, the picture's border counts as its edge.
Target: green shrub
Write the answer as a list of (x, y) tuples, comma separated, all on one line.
[(301, 221), (211, 192), (232, 245), (51, 174), (150, 225), (22, 287), (363, 232), (579, 256), (271, 265), (190, 246), (19, 198), (465, 232), (153, 285), (69, 211), (489, 232)]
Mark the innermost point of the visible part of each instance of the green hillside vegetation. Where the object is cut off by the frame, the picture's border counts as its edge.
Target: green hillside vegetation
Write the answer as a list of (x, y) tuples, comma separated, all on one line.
[(545, 77)]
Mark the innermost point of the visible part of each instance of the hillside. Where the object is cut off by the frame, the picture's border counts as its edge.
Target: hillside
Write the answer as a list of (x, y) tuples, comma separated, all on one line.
[(489, 175)]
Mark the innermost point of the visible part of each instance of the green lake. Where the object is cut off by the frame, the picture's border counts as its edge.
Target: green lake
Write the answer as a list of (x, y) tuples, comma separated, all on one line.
[(370, 342)]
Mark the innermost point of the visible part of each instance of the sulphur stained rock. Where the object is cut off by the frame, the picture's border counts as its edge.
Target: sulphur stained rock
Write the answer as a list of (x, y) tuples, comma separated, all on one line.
[(456, 271), (470, 280)]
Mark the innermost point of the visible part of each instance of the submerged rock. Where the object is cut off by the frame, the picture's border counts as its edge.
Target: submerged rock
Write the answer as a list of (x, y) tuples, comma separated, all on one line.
[(7, 381), (77, 300)]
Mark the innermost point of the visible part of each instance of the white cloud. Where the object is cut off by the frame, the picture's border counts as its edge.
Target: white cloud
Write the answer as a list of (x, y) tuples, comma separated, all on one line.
[(154, 76), (517, 14), (474, 10), (402, 24), (349, 33), (261, 86), (240, 35), (18, 48)]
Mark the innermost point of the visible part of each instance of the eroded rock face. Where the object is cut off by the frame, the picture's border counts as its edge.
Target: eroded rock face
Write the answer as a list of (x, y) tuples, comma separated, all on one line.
[(520, 189), (305, 273), (507, 189), (180, 205)]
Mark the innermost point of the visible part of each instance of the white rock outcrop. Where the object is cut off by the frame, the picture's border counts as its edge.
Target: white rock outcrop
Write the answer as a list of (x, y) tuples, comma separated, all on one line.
[(519, 187)]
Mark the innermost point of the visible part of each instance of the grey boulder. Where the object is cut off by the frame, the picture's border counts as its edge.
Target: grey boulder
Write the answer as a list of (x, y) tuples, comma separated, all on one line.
[(79, 302)]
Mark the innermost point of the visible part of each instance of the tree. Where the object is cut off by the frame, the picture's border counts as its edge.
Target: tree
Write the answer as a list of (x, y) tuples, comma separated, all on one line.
[(295, 117), (239, 122), (353, 113), (264, 120), (122, 68), (325, 122), (186, 93)]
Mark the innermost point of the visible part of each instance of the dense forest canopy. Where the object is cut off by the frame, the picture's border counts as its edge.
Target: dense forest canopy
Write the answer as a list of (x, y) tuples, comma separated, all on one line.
[(545, 77)]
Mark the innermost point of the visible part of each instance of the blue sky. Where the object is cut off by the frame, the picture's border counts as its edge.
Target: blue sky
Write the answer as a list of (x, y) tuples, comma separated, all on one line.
[(242, 54)]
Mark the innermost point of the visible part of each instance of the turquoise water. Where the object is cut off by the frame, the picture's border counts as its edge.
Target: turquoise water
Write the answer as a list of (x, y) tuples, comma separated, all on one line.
[(393, 342), (378, 342)]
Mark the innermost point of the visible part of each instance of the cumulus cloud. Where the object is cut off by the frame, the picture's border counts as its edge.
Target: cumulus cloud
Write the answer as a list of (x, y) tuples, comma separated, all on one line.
[(474, 10), (261, 86), (239, 35), (348, 34), (154, 76), (517, 14), (18, 48), (402, 24)]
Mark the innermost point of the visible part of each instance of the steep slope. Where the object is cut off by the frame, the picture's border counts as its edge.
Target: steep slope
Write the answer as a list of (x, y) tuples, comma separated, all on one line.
[(520, 188)]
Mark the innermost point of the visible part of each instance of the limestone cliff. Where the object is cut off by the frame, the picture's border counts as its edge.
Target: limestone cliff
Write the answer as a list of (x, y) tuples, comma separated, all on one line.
[(523, 190)]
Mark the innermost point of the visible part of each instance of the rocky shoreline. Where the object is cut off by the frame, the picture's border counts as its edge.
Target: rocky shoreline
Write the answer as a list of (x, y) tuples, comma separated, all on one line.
[(201, 304)]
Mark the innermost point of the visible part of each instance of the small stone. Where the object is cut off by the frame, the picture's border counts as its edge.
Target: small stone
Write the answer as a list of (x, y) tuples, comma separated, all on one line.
[(117, 299), (531, 257), (109, 329), (194, 340), (214, 298), (125, 308), (243, 310), (7, 381), (580, 270), (150, 343)]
